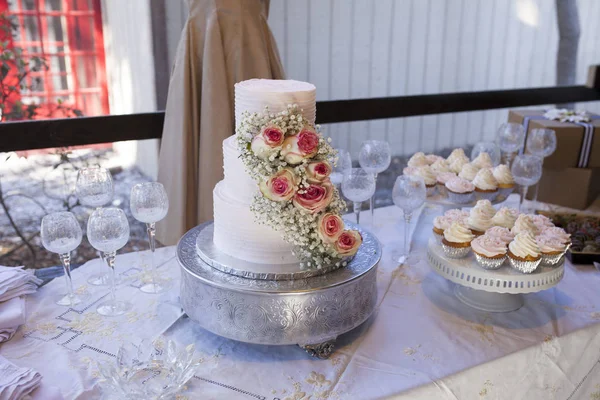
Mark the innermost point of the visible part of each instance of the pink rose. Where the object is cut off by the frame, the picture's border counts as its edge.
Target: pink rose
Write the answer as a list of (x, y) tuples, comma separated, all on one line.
[(348, 243), (330, 227), (267, 141), (280, 187), (298, 147), (315, 197), (318, 171)]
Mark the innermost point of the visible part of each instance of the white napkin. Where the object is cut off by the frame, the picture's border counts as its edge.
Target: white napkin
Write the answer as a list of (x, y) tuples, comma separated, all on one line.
[(15, 382), (12, 315), (15, 281)]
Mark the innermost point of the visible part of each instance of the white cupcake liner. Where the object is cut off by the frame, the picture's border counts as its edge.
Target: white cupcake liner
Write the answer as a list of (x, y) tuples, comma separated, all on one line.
[(455, 252), (489, 263), (552, 260), (460, 198), (525, 267), (491, 196), (431, 190)]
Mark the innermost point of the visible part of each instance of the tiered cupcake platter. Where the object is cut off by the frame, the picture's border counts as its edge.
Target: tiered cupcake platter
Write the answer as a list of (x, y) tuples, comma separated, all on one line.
[(499, 290), (269, 309)]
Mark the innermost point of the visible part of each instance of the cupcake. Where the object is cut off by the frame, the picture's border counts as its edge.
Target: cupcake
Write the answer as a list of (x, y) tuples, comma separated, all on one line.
[(524, 223), (506, 183), (457, 214), (429, 178), (457, 165), (457, 240), (460, 190), (468, 172), (440, 224), (500, 233), (479, 221), (433, 158), (523, 253), (483, 160), (409, 170), (542, 222), (418, 160), (486, 186), (558, 233), (552, 248), (442, 178), (505, 217), (440, 166), (457, 154), (490, 251)]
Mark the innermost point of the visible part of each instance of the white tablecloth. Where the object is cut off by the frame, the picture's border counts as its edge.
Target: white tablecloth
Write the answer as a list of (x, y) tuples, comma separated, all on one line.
[(422, 343)]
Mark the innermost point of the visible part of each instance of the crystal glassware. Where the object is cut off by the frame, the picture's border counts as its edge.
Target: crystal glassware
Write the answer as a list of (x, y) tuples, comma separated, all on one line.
[(61, 234), (358, 186), (540, 143), (409, 193), (94, 188), (487, 147), (342, 164), (375, 157), (526, 170), (149, 204), (108, 231), (510, 138), (156, 370)]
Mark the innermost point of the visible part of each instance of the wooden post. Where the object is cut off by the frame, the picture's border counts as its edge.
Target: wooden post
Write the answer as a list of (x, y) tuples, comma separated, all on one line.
[(593, 80)]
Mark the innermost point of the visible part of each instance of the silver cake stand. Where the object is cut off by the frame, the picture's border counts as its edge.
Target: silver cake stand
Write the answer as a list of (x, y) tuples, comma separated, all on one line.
[(310, 312)]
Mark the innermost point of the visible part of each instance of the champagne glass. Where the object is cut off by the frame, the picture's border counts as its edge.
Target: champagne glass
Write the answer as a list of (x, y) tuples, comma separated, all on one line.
[(487, 147), (510, 139), (340, 167), (409, 193), (527, 171), (540, 143), (149, 204), (108, 231), (61, 234), (94, 188), (358, 186), (374, 157)]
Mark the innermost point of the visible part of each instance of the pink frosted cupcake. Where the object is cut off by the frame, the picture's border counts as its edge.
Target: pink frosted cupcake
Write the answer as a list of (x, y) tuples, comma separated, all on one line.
[(442, 178), (457, 240), (542, 222), (490, 251), (460, 190), (486, 186), (440, 224), (553, 249), (524, 223), (505, 217), (429, 178), (457, 214), (500, 233), (558, 233), (506, 183), (524, 253), (468, 172)]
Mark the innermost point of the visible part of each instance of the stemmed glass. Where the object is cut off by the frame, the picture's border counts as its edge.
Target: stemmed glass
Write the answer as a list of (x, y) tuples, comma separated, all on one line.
[(149, 204), (409, 193), (487, 147), (61, 234), (94, 188), (527, 171), (340, 167), (108, 231), (510, 139), (374, 157), (540, 143), (358, 186)]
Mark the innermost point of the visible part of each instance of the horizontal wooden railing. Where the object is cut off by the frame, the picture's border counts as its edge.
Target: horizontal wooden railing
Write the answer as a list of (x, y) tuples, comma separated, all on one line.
[(40, 134)]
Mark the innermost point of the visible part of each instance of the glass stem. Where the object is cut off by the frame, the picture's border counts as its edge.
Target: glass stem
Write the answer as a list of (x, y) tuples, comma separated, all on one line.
[(372, 202), (523, 195), (66, 262), (357, 207), (151, 228), (407, 217), (536, 190), (110, 261), (509, 158)]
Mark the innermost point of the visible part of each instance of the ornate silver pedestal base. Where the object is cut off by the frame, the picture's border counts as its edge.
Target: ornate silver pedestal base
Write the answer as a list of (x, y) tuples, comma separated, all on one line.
[(310, 312)]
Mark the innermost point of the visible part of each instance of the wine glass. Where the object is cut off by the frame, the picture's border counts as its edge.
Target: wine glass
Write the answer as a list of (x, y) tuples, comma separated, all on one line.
[(61, 234), (540, 143), (409, 193), (510, 139), (527, 171), (94, 188), (374, 157), (340, 167), (108, 231), (149, 204), (487, 147), (358, 186)]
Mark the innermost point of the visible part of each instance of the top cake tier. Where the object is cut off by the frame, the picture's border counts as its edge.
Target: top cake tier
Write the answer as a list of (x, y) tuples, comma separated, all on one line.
[(254, 94)]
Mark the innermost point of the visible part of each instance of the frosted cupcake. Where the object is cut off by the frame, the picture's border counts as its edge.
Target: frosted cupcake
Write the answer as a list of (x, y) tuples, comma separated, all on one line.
[(552, 248), (468, 172), (418, 160), (542, 222), (524, 223), (429, 178), (410, 170), (523, 253), (457, 165), (440, 166), (442, 178), (486, 186), (505, 217), (506, 183), (457, 214), (558, 233), (433, 158), (489, 251), (460, 190), (457, 240), (500, 233), (487, 206), (479, 221), (440, 224), (483, 160)]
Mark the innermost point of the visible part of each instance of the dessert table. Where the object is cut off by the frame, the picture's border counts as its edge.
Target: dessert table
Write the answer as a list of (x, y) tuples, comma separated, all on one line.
[(422, 342)]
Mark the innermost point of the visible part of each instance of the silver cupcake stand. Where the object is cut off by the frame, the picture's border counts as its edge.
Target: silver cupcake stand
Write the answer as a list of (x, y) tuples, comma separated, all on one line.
[(276, 305), (499, 290)]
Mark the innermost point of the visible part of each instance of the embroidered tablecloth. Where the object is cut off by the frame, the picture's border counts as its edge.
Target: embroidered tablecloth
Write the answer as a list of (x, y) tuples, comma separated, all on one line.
[(423, 343)]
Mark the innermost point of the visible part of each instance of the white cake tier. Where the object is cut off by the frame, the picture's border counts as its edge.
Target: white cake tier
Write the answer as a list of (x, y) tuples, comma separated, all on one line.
[(237, 183), (237, 234), (254, 94)]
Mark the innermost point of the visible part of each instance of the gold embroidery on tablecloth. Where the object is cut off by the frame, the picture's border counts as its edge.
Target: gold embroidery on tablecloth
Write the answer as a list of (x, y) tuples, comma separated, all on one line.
[(595, 395), (416, 352), (487, 387), (94, 324), (485, 332)]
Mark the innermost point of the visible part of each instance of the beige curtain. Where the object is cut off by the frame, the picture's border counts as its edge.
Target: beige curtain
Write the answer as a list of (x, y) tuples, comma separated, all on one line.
[(223, 42)]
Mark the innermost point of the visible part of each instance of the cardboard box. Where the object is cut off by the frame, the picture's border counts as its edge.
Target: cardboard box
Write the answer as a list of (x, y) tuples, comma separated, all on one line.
[(572, 187), (569, 138)]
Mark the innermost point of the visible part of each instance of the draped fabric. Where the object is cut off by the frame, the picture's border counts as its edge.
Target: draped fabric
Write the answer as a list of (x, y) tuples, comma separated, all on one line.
[(223, 42)]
